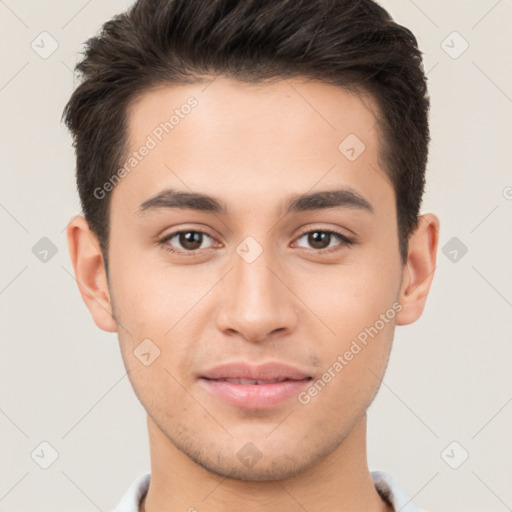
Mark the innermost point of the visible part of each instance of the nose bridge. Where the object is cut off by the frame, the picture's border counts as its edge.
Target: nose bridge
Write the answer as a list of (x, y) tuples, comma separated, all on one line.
[(257, 302), (254, 281)]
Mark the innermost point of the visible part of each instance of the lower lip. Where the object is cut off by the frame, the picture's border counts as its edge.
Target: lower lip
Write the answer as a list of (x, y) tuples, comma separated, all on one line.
[(255, 396)]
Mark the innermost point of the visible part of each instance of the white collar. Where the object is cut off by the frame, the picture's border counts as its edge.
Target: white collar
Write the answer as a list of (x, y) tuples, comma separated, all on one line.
[(387, 487)]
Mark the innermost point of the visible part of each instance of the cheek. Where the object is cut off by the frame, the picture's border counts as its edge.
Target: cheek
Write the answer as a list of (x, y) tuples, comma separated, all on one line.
[(168, 306), (350, 298), (359, 307), (151, 297)]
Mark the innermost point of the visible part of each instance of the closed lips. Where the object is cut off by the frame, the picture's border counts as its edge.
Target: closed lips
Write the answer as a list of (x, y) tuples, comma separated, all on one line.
[(244, 373), (248, 386), (258, 382)]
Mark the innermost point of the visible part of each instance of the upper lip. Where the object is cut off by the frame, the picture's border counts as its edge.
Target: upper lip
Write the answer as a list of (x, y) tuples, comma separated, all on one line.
[(268, 371)]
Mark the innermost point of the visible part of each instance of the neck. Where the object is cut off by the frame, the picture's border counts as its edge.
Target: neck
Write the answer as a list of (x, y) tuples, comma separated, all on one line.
[(341, 482)]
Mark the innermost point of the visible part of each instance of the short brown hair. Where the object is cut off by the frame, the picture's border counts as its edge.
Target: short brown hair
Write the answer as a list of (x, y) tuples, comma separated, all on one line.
[(350, 43)]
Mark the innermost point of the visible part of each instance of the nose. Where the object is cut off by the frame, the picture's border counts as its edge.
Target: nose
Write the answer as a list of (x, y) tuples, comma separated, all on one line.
[(258, 303)]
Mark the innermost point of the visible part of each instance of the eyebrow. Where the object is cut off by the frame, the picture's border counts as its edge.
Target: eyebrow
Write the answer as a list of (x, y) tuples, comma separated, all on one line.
[(338, 198)]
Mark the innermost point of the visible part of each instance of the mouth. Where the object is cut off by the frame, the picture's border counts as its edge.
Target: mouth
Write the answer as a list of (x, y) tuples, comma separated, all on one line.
[(254, 387), (253, 382)]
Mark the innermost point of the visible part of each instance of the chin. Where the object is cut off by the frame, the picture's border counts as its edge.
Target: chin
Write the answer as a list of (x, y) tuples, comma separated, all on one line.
[(280, 468)]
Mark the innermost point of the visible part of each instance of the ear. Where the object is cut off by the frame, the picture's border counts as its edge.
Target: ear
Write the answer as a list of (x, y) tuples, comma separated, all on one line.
[(418, 271), (90, 275)]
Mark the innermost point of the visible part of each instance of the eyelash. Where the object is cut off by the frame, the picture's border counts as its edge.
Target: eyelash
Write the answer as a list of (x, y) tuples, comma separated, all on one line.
[(345, 241)]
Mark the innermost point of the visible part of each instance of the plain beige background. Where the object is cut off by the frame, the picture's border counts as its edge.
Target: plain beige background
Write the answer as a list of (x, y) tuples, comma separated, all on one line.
[(62, 380)]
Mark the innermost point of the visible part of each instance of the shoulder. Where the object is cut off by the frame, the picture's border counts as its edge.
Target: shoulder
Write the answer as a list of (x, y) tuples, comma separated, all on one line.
[(130, 502), (392, 492)]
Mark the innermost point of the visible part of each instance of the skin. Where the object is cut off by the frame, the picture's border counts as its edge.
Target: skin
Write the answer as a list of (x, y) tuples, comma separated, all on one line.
[(253, 147)]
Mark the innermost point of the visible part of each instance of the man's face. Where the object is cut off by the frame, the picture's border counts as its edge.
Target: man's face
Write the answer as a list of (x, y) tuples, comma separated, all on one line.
[(252, 285)]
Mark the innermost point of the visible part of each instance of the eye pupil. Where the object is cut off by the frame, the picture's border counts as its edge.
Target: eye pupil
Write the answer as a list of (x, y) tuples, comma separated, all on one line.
[(317, 239), (191, 240)]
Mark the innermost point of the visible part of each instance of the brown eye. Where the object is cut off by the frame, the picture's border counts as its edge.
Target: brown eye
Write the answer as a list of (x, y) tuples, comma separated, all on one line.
[(185, 241), (323, 240), (319, 239), (190, 240)]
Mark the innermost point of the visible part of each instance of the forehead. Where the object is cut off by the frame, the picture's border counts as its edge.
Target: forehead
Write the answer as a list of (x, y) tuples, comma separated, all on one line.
[(259, 139)]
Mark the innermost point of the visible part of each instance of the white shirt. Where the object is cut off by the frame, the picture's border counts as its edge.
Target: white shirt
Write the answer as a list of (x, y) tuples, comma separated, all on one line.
[(388, 488)]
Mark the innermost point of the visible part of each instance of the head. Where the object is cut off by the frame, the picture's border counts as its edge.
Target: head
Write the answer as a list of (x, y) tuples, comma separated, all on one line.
[(251, 175)]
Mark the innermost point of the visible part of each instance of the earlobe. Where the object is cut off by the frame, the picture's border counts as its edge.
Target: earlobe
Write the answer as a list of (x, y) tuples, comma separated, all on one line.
[(419, 269), (90, 275)]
